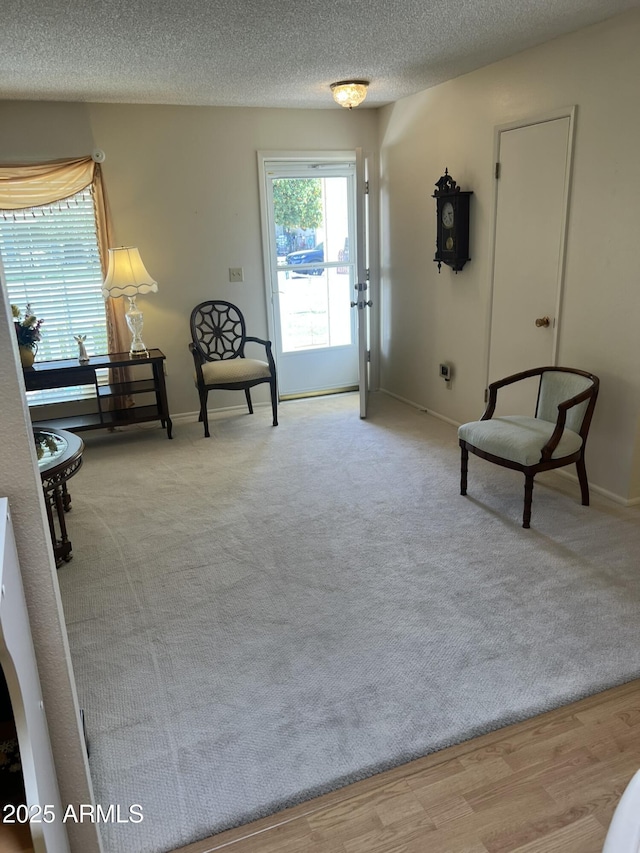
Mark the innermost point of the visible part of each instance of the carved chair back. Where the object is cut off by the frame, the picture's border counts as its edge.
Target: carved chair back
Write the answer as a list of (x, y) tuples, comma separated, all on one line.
[(218, 330)]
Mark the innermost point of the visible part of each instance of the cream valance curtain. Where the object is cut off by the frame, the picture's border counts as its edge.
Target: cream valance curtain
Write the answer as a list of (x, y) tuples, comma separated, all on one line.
[(33, 185), (43, 183)]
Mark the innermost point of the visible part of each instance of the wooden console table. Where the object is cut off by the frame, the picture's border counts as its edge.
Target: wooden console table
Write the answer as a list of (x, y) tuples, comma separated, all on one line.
[(69, 372)]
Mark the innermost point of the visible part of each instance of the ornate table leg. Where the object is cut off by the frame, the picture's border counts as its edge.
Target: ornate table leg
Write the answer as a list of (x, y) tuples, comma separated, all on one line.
[(66, 498), (58, 499)]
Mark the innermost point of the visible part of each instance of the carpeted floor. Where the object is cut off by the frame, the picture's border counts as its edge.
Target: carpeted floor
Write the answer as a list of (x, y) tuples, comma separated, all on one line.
[(269, 614)]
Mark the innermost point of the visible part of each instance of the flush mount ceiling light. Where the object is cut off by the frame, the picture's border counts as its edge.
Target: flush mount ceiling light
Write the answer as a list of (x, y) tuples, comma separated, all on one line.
[(350, 93)]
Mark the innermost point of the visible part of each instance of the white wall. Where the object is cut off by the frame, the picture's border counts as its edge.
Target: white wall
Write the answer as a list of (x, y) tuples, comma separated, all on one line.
[(429, 318)]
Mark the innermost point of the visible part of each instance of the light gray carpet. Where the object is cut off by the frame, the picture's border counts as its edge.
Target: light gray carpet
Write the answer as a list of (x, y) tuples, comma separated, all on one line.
[(271, 613)]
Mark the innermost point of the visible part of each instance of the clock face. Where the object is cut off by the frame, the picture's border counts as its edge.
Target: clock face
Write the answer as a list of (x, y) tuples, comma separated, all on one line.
[(447, 214)]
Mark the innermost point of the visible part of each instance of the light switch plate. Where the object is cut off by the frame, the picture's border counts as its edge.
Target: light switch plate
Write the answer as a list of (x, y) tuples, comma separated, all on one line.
[(236, 274)]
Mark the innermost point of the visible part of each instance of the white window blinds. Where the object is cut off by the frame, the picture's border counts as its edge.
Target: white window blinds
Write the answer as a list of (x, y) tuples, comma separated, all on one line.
[(52, 263)]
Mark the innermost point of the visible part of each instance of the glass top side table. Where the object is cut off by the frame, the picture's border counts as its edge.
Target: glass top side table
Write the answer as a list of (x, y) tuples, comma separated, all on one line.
[(59, 457)]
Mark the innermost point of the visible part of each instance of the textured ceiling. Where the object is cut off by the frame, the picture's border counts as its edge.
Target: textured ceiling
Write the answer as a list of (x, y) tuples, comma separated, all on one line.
[(265, 53)]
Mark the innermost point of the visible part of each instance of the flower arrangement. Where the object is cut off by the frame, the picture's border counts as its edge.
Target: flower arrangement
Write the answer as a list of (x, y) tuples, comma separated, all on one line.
[(27, 327), (45, 443)]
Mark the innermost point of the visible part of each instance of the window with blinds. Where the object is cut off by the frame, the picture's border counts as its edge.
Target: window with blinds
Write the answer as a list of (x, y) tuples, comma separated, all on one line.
[(51, 262)]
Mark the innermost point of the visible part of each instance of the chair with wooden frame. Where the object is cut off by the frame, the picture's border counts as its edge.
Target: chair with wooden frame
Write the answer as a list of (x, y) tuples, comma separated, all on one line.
[(219, 336), (556, 436)]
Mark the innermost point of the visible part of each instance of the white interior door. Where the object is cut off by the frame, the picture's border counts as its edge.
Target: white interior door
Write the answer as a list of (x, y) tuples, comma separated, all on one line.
[(532, 199), (309, 208)]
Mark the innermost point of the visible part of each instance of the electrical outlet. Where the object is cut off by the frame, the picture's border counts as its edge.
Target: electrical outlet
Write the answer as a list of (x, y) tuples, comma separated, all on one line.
[(236, 274), (446, 372)]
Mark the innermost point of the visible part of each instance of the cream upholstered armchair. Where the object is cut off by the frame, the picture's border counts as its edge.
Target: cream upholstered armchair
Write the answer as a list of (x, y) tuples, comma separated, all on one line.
[(556, 436), (218, 338)]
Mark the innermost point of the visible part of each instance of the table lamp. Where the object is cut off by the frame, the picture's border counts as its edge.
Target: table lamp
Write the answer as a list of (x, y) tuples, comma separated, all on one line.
[(127, 276)]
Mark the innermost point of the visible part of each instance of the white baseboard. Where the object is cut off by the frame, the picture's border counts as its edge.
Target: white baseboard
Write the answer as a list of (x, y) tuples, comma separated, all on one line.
[(420, 407), (189, 417), (185, 417), (612, 496)]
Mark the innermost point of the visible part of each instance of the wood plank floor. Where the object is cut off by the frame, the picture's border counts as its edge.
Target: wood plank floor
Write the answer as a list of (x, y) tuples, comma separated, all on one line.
[(545, 785)]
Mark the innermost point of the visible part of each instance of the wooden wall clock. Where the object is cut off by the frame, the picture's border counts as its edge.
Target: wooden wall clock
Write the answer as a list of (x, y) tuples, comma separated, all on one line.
[(452, 210)]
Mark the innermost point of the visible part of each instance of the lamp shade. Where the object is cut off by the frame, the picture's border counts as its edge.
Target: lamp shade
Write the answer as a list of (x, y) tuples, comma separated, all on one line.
[(126, 274), (349, 93)]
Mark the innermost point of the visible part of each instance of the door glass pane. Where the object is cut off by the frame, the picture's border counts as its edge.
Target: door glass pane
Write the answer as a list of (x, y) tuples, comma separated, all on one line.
[(315, 309), (314, 271), (298, 218)]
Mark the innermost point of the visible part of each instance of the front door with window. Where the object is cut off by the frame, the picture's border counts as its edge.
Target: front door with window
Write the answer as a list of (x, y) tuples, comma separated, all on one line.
[(310, 216)]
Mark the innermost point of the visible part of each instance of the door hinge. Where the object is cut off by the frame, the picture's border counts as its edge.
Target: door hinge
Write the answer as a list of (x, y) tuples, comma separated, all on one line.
[(497, 171), (367, 274), (368, 355), (366, 187), (361, 286), (486, 395)]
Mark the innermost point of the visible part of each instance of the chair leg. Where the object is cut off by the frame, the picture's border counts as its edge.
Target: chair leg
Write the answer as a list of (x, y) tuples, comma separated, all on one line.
[(582, 479), (528, 498), (247, 394), (464, 467), (274, 401), (204, 415)]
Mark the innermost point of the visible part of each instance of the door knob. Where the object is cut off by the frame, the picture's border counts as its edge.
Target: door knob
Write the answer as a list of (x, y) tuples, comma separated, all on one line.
[(544, 322)]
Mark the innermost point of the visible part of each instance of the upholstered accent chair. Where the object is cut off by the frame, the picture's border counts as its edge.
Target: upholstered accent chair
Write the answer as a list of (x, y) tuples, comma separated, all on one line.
[(556, 436), (218, 339)]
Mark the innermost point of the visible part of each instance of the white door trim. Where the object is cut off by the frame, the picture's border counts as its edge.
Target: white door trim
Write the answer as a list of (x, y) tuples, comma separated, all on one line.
[(340, 363), (267, 259), (374, 270), (551, 115)]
